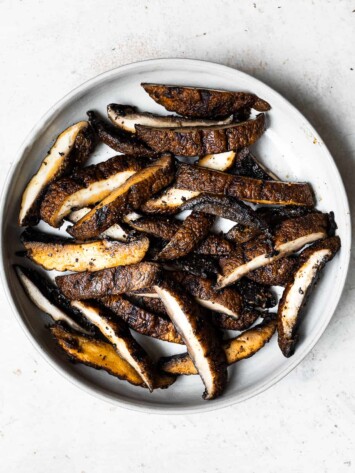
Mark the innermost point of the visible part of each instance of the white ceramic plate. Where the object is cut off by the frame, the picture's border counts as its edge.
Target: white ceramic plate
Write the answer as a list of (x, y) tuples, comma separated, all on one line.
[(290, 147)]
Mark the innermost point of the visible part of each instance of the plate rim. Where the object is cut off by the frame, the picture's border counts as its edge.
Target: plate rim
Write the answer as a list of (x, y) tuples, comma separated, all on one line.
[(135, 405)]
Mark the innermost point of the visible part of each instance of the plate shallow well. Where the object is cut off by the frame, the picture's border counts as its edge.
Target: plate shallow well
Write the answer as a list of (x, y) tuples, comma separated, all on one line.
[(290, 147)]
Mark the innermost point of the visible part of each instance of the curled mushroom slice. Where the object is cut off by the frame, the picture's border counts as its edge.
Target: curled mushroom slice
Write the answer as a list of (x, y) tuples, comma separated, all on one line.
[(289, 237), (141, 320), (109, 281), (127, 117), (311, 261), (159, 227), (117, 139), (86, 187), (244, 346), (102, 356), (203, 103), (129, 196), (70, 150), (202, 342), (191, 232), (68, 255), (49, 299), (119, 335), (195, 141)]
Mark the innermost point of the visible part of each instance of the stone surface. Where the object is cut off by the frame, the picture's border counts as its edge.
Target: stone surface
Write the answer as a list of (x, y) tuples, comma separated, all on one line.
[(303, 49)]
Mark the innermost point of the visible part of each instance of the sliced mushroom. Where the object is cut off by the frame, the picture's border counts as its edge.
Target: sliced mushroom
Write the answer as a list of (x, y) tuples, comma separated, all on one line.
[(218, 161), (191, 232), (255, 294), (158, 227), (49, 299), (277, 273), (194, 141), (117, 139), (86, 187), (127, 117), (141, 320), (119, 335), (246, 164), (311, 261), (109, 281), (198, 179), (101, 355), (289, 237), (214, 245), (203, 103), (243, 322), (129, 196), (244, 346), (70, 150), (68, 255), (202, 342), (148, 303)]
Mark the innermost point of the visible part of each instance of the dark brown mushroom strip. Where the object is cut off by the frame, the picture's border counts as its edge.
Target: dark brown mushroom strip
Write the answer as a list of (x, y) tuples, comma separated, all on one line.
[(289, 237), (146, 302), (70, 151), (255, 294), (246, 164), (102, 356), (129, 196), (198, 179), (86, 187), (214, 245), (243, 322), (116, 331), (241, 233), (127, 117), (117, 139), (159, 227), (190, 233), (202, 341), (196, 141), (277, 273), (244, 346), (203, 103), (311, 262), (109, 281), (200, 265), (65, 254), (141, 320)]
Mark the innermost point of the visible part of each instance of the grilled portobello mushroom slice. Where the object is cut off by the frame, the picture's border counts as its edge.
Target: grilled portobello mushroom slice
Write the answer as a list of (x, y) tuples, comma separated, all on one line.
[(214, 245), (202, 341), (127, 117), (102, 356), (255, 294), (246, 164), (277, 273), (70, 151), (49, 299), (196, 102), (311, 262), (244, 346), (194, 141), (146, 302), (129, 196), (141, 320), (244, 321), (86, 187), (158, 227), (198, 179), (199, 265), (65, 254), (109, 281), (226, 207), (289, 237), (218, 161), (117, 139), (190, 233), (241, 233), (116, 331)]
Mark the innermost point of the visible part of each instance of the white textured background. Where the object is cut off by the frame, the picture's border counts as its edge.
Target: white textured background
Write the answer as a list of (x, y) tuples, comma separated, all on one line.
[(303, 49)]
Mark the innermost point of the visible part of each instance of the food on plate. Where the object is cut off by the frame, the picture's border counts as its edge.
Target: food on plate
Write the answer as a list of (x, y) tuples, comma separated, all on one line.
[(181, 237), (66, 254), (141, 320), (70, 150), (199, 102), (311, 262), (202, 341), (127, 117), (86, 187), (101, 355), (194, 141), (117, 332), (191, 232), (111, 281), (243, 346), (117, 139), (129, 196)]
